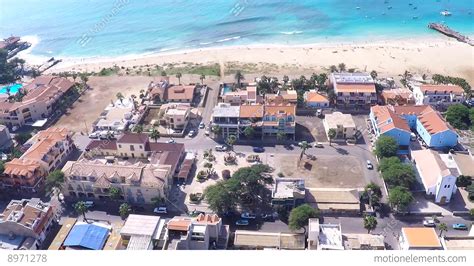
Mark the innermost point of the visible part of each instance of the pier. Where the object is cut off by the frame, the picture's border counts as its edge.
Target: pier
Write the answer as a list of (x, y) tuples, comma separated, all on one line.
[(450, 33)]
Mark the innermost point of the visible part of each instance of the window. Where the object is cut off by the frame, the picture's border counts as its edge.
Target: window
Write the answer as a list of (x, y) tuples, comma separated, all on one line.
[(120, 146), (140, 147)]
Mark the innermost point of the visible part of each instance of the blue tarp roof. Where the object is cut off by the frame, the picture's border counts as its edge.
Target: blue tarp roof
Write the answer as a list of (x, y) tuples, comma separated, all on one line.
[(88, 236)]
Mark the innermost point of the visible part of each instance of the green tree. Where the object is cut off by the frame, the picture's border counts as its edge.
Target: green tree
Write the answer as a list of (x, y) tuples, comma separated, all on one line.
[(202, 78), (400, 198), (21, 138), (155, 134), (300, 216), (178, 76), (115, 193), (124, 210), (219, 197), (442, 228), (163, 74), (386, 146), (397, 173), (9, 69), (471, 212), (231, 140), (138, 129), (239, 77), (304, 145), (249, 132), (280, 135), (54, 179), (370, 223), (157, 201), (458, 116), (81, 208), (333, 68), (2, 167), (342, 67), (216, 130), (120, 96), (321, 80), (463, 181), (285, 79), (331, 135)]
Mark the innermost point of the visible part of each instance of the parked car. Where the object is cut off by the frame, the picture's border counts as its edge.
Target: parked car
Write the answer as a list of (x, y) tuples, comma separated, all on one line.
[(191, 133), (221, 148), (370, 166), (201, 125), (258, 149), (269, 216), (161, 210), (319, 113), (460, 226), (171, 141), (429, 223), (94, 135), (247, 215), (242, 222), (89, 204), (318, 145), (207, 132)]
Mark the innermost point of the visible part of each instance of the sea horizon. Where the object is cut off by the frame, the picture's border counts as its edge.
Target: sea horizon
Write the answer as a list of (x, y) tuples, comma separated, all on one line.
[(122, 28)]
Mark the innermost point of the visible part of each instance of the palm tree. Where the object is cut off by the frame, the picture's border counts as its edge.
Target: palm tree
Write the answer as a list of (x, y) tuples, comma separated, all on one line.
[(216, 129), (304, 145), (115, 193), (442, 228), (370, 223), (84, 78), (333, 68), (239, 77), (231, 139), (285, 79), (81, 208), (124, 210), (342, 67), (280, 135), (331, 135), (321, 79), (202, 77), (155, 134), (249, 132), (163, 73), (74, 76), (138, 129), (120, 96), (373, 74), (178, 76)]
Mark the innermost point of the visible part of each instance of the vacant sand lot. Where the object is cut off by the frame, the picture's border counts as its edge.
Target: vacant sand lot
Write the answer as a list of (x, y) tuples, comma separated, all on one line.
[(324, 172)]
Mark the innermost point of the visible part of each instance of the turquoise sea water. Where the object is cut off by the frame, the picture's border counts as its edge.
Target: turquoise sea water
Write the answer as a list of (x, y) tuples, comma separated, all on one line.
[(87, 28)]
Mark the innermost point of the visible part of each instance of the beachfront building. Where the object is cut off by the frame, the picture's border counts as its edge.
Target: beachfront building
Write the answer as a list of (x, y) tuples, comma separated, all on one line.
[(41, 100), (279, 119), (400, 121), (419, 238), (251, 116), (143, 232), (138, 145), (288, 192), (163, 91), (397, 96), (342, 123), (438, 95), (353, 90), (314, 99), (6, 141), (437, 176), (257, 240), (117, 116), (25, 224), (185, 233), (49, 149), (226, 117), (175, 115), (138, 183), (242, 96), (288, 97), (384, 121)]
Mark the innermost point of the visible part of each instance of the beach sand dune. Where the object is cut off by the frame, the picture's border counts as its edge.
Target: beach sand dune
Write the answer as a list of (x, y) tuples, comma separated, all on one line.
[(436, 55)]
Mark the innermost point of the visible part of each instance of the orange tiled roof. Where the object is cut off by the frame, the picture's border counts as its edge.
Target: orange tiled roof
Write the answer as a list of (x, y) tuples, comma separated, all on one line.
[(356, 88), (384, 114), (250, 111), (289, 109), (314, 96), (442, 88), (421, 237), (181, 92), (429, 118)]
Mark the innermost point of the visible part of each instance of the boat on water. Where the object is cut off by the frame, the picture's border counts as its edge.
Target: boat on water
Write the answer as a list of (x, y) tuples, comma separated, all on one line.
[(415, 17), (357, 7), (445, 13)]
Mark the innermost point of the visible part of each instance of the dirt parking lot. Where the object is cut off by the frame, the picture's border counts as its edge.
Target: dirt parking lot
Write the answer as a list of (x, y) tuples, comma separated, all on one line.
[(325, 171)]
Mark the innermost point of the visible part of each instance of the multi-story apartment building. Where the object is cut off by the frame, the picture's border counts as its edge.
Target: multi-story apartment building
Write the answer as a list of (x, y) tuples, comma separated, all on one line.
[(139, 183), (243, 96), (279, 119), (175, 115), (49, 149), (354, 90), (25, 224), (5, 138), (343, 124), (43, 94), (226, 117), (438, 94)]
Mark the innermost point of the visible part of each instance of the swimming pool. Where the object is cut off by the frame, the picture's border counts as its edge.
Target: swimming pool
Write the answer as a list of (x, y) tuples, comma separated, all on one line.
[(13, 89), (227, 88)]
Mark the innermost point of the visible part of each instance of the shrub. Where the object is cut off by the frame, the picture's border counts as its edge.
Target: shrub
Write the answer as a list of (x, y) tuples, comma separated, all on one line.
[(280, 174)]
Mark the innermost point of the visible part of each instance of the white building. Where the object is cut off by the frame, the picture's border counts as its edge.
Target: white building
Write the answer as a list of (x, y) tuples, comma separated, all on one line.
[(438, 178), (324, 236), (226, 117), (142, 232), (438, 94), (343, 124), (117, 116)]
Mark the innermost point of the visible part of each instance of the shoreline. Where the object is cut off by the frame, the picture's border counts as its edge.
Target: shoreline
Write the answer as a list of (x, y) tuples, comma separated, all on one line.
[(393, 56)]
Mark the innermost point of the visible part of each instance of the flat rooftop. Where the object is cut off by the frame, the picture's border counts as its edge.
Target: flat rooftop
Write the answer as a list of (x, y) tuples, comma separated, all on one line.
[(338, 118), (330, 236), (459, 243), (286, 188), (226, 110), (353, 78), (143, 225)]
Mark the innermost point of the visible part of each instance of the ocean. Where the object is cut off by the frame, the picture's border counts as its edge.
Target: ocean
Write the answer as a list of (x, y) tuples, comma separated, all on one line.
[(93, 28)]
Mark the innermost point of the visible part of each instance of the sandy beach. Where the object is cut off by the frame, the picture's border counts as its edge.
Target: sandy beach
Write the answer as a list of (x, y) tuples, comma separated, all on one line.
[(391, 57)]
